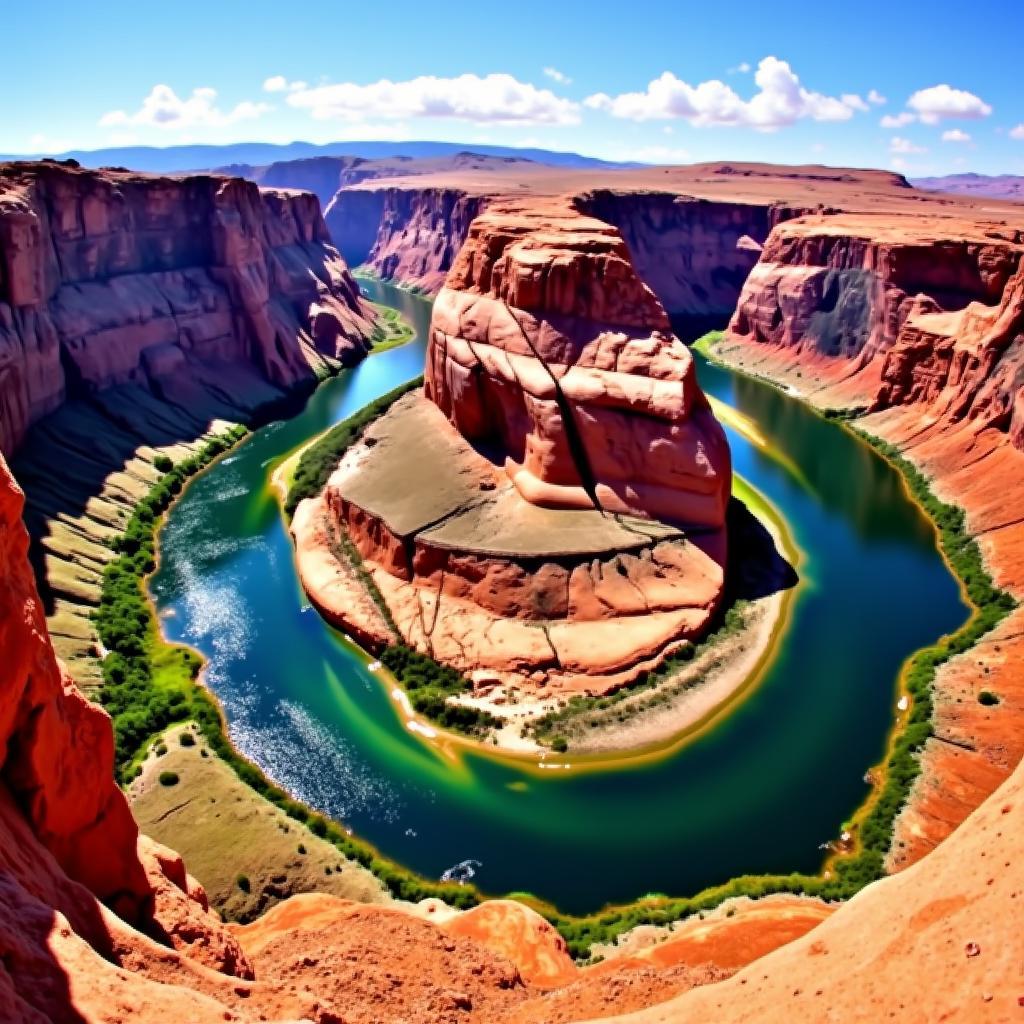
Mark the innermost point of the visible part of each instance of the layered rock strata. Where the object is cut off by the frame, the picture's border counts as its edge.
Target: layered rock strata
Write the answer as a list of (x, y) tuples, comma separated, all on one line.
[(561, 474), (408, 235), (919, 325), (139, 314), (108, 278)]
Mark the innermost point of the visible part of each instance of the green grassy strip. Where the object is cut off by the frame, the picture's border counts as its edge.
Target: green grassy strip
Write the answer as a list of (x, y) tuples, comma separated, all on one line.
[(321, 458), (429, 684), (146, 682), (391, 329), (549, 728)]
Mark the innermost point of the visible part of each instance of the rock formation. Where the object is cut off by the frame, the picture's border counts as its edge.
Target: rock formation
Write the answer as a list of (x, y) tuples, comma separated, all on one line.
[(109, 277), (584, 484), (407, 235)]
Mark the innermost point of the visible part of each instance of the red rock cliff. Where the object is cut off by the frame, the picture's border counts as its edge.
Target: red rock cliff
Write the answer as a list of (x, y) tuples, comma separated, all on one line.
[(408, 235), (110, 277), (545, 339)]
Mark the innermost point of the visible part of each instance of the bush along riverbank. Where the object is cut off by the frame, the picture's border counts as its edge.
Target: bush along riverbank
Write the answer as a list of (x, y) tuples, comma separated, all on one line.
[(321, 458), (427, 683)]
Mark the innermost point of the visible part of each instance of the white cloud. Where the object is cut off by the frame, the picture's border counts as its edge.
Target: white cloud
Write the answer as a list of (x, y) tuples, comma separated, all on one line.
[(278, 83), (942, 102), (852, 100), (897, 163), (897, 120), (875, 97), (492, 98), (897, 144), (743, 68), (163, 108), (780, 100), (1018, 132), (955, 135), (557, 76)]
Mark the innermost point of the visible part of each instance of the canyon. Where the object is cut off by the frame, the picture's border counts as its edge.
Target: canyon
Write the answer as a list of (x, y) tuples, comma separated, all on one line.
[(865, 296)]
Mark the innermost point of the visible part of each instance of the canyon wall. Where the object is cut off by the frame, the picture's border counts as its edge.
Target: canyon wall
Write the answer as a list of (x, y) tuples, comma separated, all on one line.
[(694, 254), (109, 278), (917, 324), (545, 340), (408, 235)]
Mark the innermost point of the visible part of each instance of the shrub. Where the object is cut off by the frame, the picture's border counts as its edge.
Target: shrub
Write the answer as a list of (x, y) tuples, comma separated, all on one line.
[(186, 739), (169, 778), (988, 698), (243, 883), (163, 464), (559, 744)]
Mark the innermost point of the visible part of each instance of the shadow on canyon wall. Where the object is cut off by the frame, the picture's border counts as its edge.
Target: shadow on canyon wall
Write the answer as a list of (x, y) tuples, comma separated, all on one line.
[(85, 449), (755, 567)]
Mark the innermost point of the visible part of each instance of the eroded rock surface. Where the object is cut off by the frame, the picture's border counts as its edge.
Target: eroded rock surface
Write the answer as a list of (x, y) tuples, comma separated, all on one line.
[(551, 511), (918, 323), (109, 278)]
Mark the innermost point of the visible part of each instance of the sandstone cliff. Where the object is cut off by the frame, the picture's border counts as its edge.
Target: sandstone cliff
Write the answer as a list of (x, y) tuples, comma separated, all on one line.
[(407, 235), (109, 278), (563, 474)]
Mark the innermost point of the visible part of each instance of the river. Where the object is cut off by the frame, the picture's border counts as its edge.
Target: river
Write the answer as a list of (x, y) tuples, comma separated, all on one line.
[(757, 793)]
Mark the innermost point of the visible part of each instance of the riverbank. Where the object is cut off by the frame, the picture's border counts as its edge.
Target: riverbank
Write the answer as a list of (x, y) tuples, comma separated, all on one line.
[(960, 731), (580, 931)]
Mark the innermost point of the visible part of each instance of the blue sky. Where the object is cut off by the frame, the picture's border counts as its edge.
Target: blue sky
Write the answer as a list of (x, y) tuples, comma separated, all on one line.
[(923, 87)]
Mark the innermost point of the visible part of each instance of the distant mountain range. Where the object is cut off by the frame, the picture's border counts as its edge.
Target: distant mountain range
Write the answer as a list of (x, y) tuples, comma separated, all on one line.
[(196, 158), (999, 186)]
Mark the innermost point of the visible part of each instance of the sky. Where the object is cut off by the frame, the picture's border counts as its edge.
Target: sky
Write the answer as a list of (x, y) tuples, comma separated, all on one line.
[(919, 86)]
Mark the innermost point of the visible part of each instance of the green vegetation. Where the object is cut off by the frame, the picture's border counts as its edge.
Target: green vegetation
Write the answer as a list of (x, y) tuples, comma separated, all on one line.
[(243, 883), (429, 685), (581, 712), (146, 682), (391, 329), (186, 739), (169, 778), (319, 460), (988, 699), (149, 684)]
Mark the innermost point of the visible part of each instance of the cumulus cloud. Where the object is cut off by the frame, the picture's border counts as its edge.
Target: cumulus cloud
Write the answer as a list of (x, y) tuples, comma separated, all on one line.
[(897, 120), (897, 144), (163, 108), (852, 100), (278, 83), (1018, 132), (955, 135), (943, 102), (494, 98), (875, 97), (557, 76), (780, 101)]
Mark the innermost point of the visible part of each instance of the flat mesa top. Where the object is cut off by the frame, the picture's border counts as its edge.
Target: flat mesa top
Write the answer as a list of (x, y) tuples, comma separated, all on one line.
[(418, 475)]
